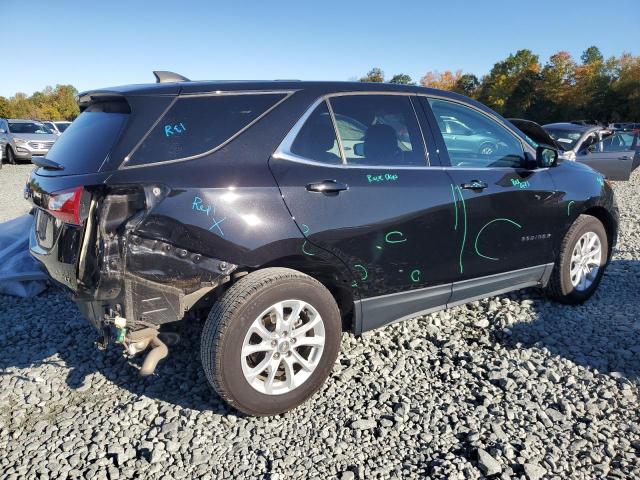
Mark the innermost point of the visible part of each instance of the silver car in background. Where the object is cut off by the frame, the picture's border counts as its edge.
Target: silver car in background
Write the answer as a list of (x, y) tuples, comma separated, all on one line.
[(24, 139)]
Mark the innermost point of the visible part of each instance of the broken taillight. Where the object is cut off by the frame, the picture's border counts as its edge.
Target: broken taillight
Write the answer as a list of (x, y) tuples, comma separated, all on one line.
[(67, 205)]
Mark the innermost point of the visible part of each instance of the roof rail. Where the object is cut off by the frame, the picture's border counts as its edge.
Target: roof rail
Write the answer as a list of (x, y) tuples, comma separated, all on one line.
[(163, 76)]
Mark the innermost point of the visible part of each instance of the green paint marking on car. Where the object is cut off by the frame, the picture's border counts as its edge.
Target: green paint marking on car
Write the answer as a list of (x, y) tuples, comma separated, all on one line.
[(464, 235), (395, 233), (516, 182), (365, 274), (415, 275), (455, 207), (383, 177), (485, 226)]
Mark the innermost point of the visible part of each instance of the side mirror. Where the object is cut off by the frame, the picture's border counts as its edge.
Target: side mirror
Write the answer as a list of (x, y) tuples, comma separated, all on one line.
[(2, 130), (358, 149), (546, 157)]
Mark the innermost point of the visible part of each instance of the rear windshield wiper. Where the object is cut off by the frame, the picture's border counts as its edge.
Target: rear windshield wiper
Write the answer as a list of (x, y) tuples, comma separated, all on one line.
[(46, 163)]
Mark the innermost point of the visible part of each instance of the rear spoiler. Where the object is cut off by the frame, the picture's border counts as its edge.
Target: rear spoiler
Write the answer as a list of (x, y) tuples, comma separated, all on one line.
[(109, 102), (535, 132)]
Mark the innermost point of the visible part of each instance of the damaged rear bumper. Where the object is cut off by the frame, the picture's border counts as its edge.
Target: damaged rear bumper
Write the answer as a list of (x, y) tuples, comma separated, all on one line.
[(113, 272)]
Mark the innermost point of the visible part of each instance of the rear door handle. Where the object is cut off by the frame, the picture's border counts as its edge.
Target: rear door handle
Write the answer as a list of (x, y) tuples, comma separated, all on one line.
[(474, 185), (625, 157), (327, 186)]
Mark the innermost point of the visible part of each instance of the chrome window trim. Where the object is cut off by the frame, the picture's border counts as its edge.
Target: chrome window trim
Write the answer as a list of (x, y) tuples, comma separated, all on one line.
[(286, 93), (283, 152)]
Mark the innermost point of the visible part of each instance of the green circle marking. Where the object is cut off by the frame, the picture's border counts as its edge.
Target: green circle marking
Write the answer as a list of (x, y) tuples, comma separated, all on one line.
[(486, 225), (365, 274), (388, 239), (415, 273)]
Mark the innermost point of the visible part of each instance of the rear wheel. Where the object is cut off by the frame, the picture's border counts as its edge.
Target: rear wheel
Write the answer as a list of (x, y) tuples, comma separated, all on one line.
[(271, 341), (583, 256)]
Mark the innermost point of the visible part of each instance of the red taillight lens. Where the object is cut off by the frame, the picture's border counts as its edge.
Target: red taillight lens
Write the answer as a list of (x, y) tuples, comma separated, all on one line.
[(66, 204)]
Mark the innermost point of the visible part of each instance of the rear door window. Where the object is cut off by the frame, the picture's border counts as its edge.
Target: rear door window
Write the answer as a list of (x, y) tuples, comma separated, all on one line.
[(379, 130), (198, 125)]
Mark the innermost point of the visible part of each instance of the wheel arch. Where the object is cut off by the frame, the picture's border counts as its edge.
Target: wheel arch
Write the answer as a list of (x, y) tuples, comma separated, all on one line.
[(609, 222), (331, 277)]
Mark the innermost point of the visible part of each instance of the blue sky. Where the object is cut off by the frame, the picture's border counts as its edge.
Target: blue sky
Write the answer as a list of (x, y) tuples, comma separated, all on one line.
[(95, 44)]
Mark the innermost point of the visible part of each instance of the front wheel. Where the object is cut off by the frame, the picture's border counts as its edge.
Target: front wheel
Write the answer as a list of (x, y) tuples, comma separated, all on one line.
[(11, 158), (579, 267), (271, 341)]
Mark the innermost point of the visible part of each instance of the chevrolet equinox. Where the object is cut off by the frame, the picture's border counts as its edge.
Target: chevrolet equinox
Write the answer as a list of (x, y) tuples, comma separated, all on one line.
[(289, 212)]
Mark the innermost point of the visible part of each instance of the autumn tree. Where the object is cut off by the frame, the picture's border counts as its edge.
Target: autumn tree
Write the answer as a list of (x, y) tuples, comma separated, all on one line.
[(375, 75), (57, 103), (446, 80)]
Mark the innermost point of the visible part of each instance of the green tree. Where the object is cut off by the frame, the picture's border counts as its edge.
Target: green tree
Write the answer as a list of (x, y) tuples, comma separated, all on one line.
[(467, 85), (402, 79), (503, 78), (591, 55), (5, 108)]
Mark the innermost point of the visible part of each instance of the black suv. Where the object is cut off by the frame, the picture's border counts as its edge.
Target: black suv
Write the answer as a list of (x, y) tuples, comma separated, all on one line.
[(292, 211)]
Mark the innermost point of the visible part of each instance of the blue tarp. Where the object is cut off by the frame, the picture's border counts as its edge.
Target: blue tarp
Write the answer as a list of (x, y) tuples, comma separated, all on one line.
[(20, 274)]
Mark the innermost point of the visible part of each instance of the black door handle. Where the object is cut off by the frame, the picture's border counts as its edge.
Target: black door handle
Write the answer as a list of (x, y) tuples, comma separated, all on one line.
[(474, 185), (327, 186)]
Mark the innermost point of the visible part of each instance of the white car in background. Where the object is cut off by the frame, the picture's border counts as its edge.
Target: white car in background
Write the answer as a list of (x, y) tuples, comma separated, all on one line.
[(57, 127)]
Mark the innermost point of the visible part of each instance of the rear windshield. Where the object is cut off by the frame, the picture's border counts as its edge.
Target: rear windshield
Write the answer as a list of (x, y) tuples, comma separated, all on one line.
[(200, 124), (87, 142)]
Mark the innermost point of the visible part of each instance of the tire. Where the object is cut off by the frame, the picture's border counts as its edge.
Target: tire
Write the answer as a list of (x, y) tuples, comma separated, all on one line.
[(561, 287), (226, 331), (11, 158)]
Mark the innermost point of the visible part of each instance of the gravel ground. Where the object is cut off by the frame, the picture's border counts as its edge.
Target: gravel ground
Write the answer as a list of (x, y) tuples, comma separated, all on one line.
[(12, 181), (514, 386)]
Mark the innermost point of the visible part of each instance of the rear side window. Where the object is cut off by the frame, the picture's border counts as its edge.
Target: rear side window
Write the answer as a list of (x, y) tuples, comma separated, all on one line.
[(200, 124), (317, 138)]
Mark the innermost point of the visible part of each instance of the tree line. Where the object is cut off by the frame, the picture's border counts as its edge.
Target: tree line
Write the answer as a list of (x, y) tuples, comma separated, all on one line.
[(52, 103), (562, 89), (592, 88)]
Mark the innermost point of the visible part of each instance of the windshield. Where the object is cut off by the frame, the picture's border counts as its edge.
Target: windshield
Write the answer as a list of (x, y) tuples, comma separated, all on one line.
[(566, 138), (28, 127), (62, 126)]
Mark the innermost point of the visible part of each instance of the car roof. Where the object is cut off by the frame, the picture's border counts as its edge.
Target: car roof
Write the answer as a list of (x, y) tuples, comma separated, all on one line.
[(22, 120), (210, 86), (316, 87)]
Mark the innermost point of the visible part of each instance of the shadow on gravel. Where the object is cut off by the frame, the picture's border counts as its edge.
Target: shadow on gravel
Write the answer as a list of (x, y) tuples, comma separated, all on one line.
[(602, 334), (48, 331)]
